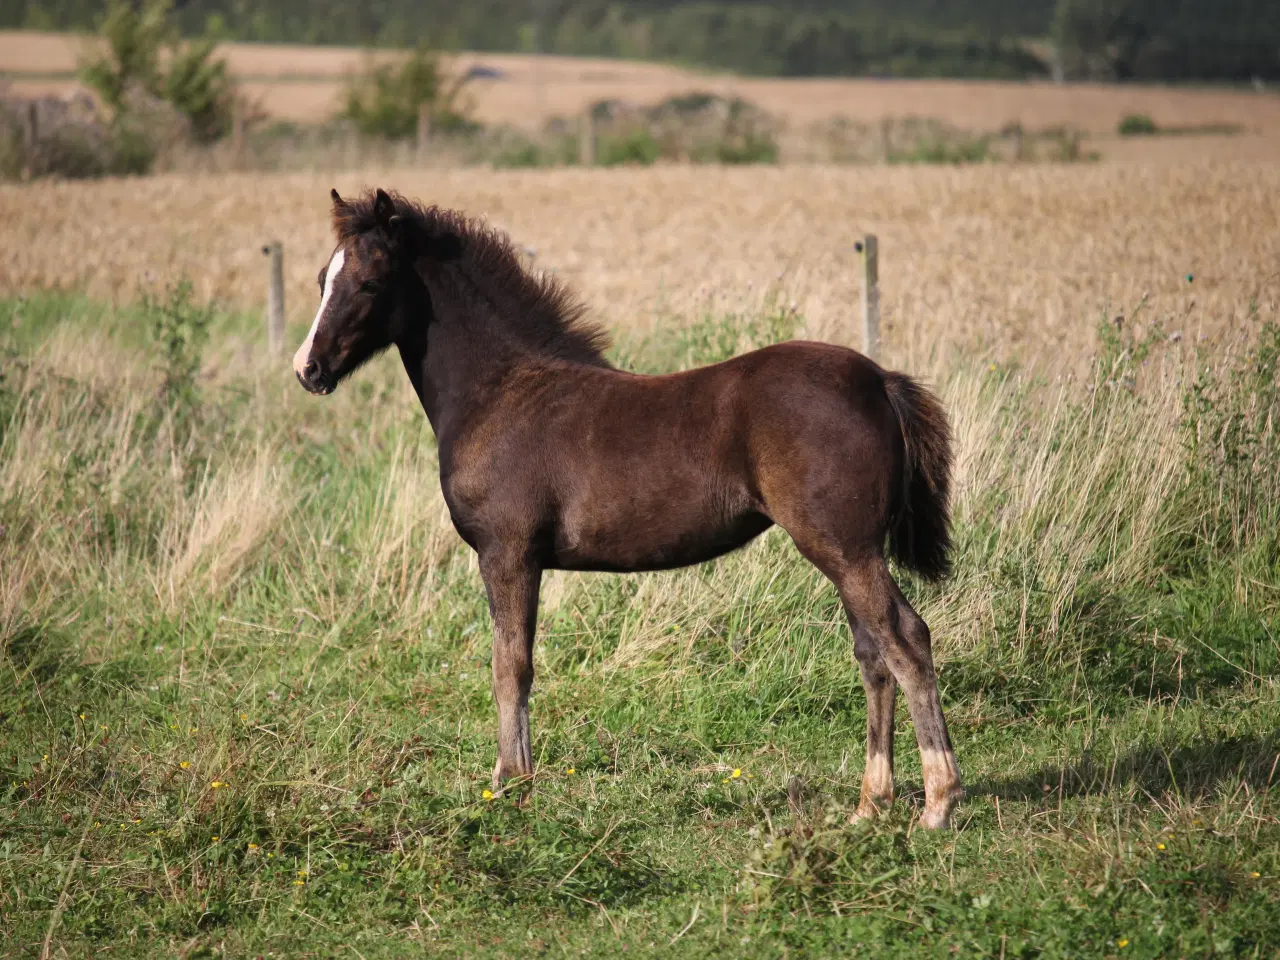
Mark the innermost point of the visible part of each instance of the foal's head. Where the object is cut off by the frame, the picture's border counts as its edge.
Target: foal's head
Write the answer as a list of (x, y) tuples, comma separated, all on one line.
[(362, 293)]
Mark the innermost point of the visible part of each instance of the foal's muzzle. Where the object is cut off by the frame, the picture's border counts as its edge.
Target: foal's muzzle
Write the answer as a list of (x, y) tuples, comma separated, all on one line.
[(315, 379)]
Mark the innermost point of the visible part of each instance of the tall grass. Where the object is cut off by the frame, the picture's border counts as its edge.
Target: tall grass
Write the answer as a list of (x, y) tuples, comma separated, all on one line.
[(249, 695)]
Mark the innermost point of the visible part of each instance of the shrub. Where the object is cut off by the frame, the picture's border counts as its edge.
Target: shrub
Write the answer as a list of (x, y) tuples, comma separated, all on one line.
[(636, 147), (963, 150), (752, 147), (1137, 125), (200, 89), (138, 40), (387, 99), (51, 137), (179, 329)]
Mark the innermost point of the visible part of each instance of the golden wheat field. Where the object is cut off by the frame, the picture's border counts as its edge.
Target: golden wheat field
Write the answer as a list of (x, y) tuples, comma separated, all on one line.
[(1014, 261)]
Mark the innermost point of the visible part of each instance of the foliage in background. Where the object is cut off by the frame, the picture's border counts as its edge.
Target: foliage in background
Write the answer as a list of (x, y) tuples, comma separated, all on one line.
[(1158, 40), (50, 136), (1140, 39), (386, 100), (179, 330), (1136, 125), (145, 51)]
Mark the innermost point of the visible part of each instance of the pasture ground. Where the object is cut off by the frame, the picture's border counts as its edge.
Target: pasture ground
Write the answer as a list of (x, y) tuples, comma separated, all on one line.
[(248, 711)]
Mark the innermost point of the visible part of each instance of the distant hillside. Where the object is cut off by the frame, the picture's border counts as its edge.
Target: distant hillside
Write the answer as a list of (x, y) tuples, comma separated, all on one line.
[(1102, 39)]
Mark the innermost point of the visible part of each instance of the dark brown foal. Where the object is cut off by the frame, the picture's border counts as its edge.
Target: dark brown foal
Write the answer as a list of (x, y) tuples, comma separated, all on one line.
[(552, 459)]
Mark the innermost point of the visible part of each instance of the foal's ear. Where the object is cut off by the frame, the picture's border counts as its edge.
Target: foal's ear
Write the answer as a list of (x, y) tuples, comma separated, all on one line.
[(338, 202), (384, 212)]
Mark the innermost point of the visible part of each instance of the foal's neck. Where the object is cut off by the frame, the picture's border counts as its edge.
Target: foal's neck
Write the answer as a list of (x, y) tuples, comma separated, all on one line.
[(479, 332)]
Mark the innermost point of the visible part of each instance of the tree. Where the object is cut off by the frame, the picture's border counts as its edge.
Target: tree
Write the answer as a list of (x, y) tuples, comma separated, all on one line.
[(144, 51), (387, 99)]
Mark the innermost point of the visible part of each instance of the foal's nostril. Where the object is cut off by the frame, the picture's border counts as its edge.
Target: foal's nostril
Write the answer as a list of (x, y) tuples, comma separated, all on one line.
[(311, 371)]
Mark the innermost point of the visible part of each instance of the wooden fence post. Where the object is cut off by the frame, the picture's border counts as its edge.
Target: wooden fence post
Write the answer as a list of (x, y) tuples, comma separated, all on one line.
[(870, 248), (587, 139), (275, 298), (237, 135), (424, 131)]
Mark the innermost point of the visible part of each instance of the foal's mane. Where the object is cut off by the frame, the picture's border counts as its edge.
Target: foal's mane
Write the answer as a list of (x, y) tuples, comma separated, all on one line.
[(551, 319)]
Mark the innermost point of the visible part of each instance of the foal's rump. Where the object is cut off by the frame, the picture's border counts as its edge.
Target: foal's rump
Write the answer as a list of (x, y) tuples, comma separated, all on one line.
[(846, 453)]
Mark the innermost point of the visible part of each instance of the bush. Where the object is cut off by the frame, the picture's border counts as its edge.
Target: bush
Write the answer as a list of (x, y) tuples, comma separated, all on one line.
[(1137, 125), (752, 147), (962, 150), (138, 40), (69, 140), (387, 99), (179, 329), (200, 89), (636, 148)]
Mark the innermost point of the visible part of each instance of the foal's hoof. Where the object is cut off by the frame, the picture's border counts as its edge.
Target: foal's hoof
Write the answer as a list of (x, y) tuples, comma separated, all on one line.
[(520, 784), (869, 808), (939, 817)]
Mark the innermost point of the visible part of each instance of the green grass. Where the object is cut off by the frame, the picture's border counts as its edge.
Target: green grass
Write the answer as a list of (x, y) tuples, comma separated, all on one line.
[(247, 708)]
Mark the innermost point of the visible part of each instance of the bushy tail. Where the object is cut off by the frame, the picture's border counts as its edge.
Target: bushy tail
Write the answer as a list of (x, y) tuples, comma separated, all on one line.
[(920, 532)]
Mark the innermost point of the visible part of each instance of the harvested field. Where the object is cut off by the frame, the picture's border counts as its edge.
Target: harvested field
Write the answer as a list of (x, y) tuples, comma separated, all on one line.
[(1021, 261), (303, 84)]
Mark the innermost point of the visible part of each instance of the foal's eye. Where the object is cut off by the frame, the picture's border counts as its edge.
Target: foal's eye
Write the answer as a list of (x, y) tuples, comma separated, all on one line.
[(370, 286)]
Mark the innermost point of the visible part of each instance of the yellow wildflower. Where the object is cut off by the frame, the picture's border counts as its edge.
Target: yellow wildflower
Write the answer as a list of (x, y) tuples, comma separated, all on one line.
[(571, 771), (218, 784), (185, 764), (253, 846), (82, 716), (1255, 874), (299, 883), (215, 839), (1159, 846), (1122, 943), (244, 716), (487, 794)]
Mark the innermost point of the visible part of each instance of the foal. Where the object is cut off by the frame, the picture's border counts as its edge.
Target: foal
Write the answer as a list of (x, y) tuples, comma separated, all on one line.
[(552, 459)]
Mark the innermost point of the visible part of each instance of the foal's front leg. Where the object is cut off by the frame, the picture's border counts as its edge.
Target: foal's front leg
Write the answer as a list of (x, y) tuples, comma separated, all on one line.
[(512, 584)]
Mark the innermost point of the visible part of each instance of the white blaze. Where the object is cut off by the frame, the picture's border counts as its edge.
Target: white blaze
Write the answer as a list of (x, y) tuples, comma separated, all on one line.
[(304, 352)]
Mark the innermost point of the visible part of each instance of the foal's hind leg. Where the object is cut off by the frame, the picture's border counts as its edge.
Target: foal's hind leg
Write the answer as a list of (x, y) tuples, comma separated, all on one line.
[(512, 585), (871, 596), (882, 691)]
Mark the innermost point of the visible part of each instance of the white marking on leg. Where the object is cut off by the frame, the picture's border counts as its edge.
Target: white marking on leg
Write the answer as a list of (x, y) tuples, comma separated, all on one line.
[(877, 779), (942, 790), (304, 352)]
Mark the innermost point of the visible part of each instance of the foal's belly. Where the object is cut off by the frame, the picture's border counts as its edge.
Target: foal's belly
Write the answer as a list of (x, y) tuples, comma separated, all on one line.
[(648, 542)]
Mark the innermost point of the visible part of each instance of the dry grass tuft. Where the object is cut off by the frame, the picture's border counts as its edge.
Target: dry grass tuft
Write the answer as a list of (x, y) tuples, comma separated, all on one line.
[(212, 534)]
